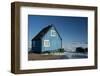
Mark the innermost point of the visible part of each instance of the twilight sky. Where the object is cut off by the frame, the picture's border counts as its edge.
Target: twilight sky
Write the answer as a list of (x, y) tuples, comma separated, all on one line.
[(73, 30)]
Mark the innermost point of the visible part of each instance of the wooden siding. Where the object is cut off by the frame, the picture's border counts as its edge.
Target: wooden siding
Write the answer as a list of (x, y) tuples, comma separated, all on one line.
[(36, 46), (55, 41)]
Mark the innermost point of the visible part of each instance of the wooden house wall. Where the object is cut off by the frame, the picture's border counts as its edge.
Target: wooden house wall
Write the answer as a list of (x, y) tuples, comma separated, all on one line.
[(55, 41), (36, 46)]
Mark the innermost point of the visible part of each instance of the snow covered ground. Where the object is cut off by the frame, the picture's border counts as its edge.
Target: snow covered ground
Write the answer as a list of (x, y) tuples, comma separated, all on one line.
[(74, 55)]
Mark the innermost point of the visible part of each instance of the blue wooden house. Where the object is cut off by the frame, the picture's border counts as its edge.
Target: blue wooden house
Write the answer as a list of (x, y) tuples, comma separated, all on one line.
[(48, 39)]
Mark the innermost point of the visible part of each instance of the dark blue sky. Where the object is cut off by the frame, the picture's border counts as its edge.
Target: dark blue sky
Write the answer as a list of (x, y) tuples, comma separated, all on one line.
[(73, 30)]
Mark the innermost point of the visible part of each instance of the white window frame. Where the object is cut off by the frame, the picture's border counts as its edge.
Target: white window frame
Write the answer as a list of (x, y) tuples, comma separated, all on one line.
[(53, 31), (45, 45)]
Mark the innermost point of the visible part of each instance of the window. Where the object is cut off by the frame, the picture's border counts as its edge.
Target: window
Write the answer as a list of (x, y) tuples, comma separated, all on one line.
[(46, 43), (53, 33)]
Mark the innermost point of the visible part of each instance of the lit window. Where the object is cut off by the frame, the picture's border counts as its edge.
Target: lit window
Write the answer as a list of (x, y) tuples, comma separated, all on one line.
[(53, 33), (46, 43)]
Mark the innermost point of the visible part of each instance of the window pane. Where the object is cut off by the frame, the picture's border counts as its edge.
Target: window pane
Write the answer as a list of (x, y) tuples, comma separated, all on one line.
[(46, 43)]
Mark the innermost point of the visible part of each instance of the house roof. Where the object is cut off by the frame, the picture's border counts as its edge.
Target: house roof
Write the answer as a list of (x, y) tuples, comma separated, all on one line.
[(43, 32)]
